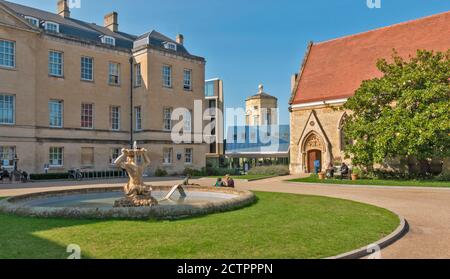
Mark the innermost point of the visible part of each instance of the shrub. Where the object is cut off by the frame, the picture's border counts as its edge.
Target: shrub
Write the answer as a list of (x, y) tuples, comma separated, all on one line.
[(160, 172), (269, 170), (49, 176), (194, 172), (221, 171), (445, 176)]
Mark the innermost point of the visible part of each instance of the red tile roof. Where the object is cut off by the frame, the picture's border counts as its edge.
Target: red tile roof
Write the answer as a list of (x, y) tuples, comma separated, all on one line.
[(335, 69)]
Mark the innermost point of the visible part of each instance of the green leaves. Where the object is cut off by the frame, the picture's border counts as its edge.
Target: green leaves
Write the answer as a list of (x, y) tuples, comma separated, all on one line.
[(405, 113)]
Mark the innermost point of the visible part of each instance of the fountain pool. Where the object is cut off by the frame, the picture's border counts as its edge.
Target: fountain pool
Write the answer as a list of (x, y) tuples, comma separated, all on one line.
[(98, 203)]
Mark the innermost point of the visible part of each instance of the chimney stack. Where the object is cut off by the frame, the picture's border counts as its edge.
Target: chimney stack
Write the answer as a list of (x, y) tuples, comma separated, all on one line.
[(112, 22), (180, 39), (63, 9)]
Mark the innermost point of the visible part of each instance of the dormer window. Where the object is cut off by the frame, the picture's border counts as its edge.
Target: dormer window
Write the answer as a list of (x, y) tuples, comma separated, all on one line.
[(170, 46), (51, 27), (107, 40), (32, 20)]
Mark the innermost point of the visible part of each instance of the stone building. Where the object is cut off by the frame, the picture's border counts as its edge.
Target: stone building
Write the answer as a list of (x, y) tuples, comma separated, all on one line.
[(214, 96), (72, 94), (333, 70), (261, 109), (261, 140)]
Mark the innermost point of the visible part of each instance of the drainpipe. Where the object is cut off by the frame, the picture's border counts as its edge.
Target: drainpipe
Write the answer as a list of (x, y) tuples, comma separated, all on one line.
[(131, 104)]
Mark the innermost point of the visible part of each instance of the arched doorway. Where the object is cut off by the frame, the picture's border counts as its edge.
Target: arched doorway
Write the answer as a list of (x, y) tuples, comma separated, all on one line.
[(312, 157), (313, 150)]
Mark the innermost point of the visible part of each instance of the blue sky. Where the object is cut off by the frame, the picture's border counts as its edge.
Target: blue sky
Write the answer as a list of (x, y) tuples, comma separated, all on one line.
[(248, 42)]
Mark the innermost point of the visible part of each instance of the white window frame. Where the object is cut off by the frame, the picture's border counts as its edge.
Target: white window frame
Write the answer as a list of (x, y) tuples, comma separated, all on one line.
[(50, 157), (138, 118), (31, 18), (167, 119), (114, 153), (51, 63), (168, 160), (108, 40), (114, 71), (49, 23), (82, 62), (187, 79), (170, 46), (13, 110), (137, 75), (13, 55), (11, 154), (92, 113), (60, 116), (189, 155), (114, 116), (187, 120), (167, 76)]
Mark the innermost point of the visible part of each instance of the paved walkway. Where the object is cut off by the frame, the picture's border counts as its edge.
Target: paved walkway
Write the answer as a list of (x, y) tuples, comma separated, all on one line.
[(426, 209)]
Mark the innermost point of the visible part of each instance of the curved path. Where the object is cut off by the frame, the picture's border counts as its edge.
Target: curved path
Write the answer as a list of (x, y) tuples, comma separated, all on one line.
[(427, 210)]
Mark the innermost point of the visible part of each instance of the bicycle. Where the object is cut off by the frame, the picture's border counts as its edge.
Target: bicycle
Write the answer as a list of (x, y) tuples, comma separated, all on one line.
[(76, 174)]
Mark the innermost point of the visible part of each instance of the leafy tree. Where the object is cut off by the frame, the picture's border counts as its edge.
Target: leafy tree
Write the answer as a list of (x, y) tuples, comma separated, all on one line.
[(403, 114)]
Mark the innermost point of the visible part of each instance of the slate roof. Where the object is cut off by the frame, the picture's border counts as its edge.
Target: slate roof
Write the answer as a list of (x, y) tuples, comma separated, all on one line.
[(76, 29), (335, 69)]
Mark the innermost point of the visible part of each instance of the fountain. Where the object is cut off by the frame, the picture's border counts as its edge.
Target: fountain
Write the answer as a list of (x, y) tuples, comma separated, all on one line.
[(135, 200), (137, 193)]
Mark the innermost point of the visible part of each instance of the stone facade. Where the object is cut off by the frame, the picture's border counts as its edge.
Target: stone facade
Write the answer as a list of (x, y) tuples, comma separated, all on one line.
[(316, 129), (261, 109), (30, 135)]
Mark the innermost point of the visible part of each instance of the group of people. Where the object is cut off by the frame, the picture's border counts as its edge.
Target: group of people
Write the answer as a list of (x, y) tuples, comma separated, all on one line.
[(227, 181), (344, 170)]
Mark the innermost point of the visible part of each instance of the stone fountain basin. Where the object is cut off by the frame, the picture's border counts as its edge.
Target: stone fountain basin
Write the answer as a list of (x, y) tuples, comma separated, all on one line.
[(97, 203)]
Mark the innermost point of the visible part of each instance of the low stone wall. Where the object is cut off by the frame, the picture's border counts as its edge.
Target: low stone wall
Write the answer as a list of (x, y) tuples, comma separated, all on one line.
[(161, 212)]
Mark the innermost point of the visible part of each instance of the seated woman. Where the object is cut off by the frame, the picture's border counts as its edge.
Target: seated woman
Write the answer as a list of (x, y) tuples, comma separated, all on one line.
[(229, 181), (219, 183), (330, 171)]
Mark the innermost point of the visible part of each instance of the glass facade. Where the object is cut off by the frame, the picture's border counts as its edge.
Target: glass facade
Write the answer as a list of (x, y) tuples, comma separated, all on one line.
[(209, 89)]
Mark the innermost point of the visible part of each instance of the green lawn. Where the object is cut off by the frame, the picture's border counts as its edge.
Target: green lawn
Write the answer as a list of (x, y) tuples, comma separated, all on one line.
[(248, 177), (277, 226), (411, 183)]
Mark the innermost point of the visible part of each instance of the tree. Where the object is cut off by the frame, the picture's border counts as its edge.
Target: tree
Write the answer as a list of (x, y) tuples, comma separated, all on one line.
[(403, 114)]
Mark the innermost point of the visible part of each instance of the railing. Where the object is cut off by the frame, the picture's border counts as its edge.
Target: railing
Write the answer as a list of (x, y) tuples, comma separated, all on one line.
[(104, 174)]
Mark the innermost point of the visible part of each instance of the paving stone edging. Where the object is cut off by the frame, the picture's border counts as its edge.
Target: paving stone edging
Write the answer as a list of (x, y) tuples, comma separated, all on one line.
[(360, 253), (162, 212)]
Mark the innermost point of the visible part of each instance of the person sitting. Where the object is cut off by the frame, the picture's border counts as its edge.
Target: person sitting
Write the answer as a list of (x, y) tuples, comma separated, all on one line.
[(219, 183), (330, 171), (4, 174), (344, 170), (229, 181)]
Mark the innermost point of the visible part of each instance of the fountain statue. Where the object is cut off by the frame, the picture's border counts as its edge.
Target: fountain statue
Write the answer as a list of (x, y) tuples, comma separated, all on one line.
[(137, 193)]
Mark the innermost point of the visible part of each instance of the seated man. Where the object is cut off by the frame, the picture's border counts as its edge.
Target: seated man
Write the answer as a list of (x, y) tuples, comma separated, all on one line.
[(344, 170)]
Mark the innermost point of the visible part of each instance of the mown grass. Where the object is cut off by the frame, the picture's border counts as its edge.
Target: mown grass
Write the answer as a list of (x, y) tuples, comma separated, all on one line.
[(277, 226), (376, 182)]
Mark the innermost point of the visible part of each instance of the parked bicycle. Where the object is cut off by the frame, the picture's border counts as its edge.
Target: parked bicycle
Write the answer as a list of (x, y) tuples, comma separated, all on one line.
[(76, 174)]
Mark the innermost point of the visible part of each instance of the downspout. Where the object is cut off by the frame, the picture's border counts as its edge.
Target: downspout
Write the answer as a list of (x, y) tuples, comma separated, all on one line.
[(131, 104)]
